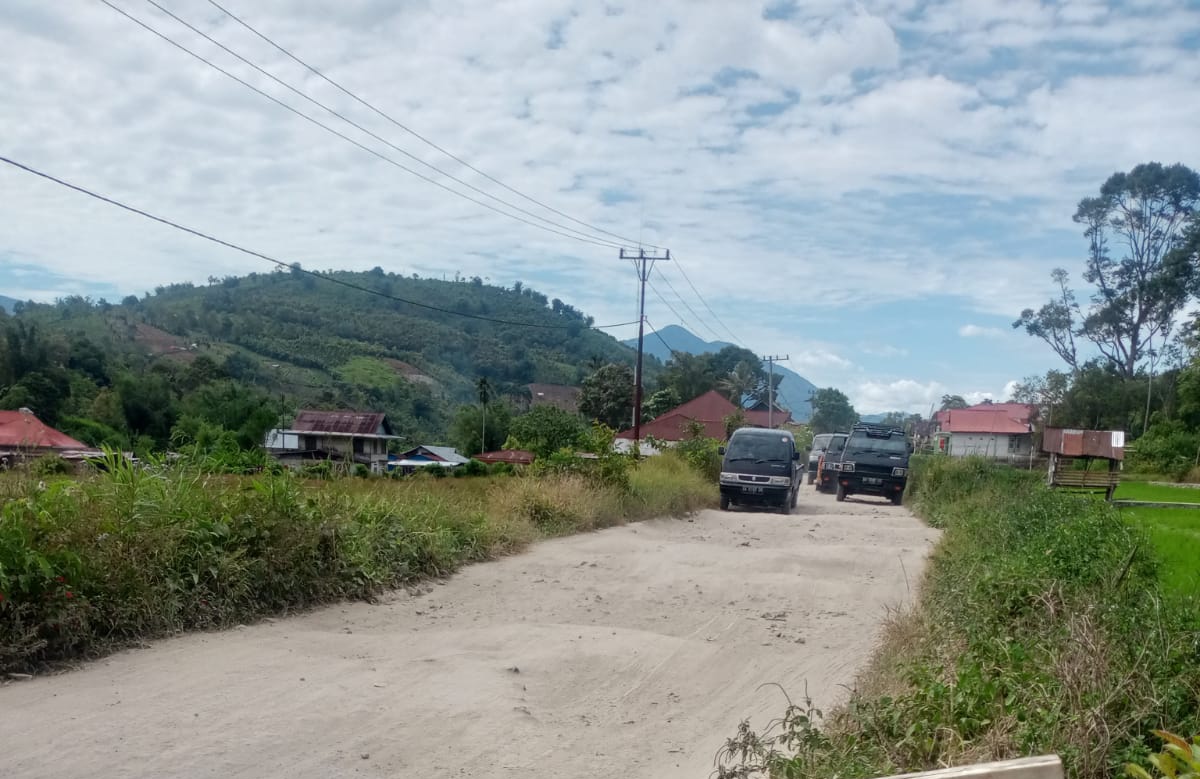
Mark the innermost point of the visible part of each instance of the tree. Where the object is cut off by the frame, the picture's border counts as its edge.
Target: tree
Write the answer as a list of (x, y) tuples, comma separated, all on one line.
[(832, 411), (607, 396), (483, 390), (953, 401), (1045, 392), (745, 380), (1149, 213), (659, 403), (546, 429), (467, 428)]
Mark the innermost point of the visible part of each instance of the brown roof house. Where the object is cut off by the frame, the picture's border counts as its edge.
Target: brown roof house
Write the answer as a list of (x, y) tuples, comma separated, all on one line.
[(558, 395), (709, 410), (23, 436), (348, 436)]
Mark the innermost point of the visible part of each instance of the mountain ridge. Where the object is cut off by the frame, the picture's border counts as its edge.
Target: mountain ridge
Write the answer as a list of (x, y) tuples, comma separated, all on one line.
[(794, 389)]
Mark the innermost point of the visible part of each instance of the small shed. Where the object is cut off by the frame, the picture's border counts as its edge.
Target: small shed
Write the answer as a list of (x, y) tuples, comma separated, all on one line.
[(1104, 449)]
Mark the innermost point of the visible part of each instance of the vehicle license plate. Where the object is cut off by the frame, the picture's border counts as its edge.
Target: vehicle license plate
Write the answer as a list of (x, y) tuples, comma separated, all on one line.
[(872, 481), (752, 490)]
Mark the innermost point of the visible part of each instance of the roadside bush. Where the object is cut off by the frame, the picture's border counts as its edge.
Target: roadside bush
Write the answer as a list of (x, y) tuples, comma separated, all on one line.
[(1166, 448), (1040, 629), (135, 552), (49, 465)]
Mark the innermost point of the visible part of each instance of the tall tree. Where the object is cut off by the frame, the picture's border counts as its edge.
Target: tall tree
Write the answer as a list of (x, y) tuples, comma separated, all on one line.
[(832, 412), (953, 401), (1148, 216), (744, 381), (607, 396)]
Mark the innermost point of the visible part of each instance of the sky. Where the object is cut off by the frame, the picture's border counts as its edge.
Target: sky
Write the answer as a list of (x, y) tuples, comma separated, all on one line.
[(875, 189)]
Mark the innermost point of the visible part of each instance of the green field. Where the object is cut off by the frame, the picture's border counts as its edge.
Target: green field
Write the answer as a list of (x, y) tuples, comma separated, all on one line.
[(1140, 490), (1175, 532)]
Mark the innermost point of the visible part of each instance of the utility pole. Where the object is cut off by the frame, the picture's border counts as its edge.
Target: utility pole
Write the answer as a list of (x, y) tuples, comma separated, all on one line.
[(643, 262), (770, 361)]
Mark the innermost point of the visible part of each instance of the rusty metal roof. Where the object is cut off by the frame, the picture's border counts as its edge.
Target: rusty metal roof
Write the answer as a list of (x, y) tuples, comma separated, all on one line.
[(342, 422), (1107, 444)]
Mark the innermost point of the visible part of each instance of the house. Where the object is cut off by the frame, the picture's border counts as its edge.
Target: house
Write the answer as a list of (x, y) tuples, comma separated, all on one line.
[(997, 430), (24, 436), (512, 456), (427, 456), (349, 436), (710, 411), (558, 395)]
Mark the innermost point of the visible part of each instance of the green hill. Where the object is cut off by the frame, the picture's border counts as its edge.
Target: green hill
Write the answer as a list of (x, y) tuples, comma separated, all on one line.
[(288, 339)]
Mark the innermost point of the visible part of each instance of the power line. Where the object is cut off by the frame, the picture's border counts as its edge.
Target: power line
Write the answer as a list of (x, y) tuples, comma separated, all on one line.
[(281, 263), (348, 139), (663, 340), (688, 278), (312, 69), (358, 126), (687, 305)]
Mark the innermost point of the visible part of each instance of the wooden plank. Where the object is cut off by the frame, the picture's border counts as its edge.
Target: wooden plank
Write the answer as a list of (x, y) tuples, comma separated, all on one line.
[(1044, 767), (1153, 504)]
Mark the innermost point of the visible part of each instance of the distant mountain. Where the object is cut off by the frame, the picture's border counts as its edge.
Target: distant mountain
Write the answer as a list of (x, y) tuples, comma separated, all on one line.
[(7, 303), (795, 390)]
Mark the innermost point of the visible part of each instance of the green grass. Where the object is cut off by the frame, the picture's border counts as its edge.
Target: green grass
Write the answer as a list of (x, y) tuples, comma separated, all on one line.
[(1137, 490), (1175, 534), (1046, 624)]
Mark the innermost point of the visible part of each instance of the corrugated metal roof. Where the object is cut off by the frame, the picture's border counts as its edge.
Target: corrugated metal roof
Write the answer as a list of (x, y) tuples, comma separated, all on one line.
[(1108, 444), (514, 456), (442, 453), (22, 430), (710, 410), (345, 422), (985, 420)]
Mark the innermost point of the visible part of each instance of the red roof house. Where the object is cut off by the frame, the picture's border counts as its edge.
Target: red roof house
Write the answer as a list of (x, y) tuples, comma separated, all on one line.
[(512, 456), (710, 410), (998, 430), (22, 431)]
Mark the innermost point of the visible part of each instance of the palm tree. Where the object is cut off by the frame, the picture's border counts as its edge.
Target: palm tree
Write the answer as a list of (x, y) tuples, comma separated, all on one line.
[(739, 383), (483, 389)]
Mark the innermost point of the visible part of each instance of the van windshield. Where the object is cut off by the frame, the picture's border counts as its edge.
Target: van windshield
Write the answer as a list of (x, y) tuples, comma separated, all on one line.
[(758, 448), (889, 445)]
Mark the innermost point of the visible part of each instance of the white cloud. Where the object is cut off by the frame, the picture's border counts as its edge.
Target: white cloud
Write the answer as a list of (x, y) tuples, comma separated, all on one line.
[(874, 397), (976, 331), (757, 149)]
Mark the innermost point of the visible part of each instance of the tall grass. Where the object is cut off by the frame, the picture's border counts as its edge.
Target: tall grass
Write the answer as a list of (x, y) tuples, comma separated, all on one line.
[(1041, 628), (94, 562)]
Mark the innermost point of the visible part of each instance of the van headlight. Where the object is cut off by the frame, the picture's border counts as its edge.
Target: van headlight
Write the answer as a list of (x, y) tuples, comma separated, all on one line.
[(781, 481), (729, 478), (899, 471)]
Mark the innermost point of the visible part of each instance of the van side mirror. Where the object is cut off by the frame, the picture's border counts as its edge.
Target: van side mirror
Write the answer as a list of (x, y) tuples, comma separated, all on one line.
[(721, 450)]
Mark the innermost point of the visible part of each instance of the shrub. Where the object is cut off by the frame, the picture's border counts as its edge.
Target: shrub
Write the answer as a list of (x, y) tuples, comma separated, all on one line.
[(134, 552), (49, 465), (1040, 629)]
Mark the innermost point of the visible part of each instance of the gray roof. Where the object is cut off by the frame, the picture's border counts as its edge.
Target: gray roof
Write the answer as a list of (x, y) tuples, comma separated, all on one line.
[(447, 453)]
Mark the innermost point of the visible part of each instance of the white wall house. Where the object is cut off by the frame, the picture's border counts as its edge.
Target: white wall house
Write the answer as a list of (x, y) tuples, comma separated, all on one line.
[(1001, 431)]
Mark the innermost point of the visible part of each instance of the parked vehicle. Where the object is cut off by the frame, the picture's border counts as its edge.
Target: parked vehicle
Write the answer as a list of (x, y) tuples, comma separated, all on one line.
[(833, 451), (874, 461), (761, 467), (820, 443)]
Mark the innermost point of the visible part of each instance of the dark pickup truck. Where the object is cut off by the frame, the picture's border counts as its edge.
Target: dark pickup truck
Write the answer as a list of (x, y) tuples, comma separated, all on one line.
[(874, 461)]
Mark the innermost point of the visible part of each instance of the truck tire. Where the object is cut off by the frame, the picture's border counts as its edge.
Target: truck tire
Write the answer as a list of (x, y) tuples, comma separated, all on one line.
[(724, 503), (898, 499), (841, 492)]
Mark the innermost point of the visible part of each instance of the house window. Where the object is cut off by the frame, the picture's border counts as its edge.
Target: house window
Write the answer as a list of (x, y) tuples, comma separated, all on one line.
[(358, 446), (1014, 444)]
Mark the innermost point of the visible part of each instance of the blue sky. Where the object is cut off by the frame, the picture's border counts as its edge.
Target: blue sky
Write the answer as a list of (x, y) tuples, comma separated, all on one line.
[(874, 188)]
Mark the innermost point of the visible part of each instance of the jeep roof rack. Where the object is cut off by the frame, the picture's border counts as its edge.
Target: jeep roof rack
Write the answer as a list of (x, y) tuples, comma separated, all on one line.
[(876, 430)]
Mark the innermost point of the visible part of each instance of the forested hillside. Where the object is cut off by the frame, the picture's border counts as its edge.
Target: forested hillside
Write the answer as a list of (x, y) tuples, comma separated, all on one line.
[(244, 351)]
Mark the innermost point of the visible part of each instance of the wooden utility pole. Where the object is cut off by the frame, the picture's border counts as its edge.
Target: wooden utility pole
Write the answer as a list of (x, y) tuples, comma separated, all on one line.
[(643, 262), (770, 361)]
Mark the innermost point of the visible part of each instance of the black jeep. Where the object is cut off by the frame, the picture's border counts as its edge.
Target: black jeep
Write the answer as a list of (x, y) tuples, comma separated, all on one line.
[(874, 461)]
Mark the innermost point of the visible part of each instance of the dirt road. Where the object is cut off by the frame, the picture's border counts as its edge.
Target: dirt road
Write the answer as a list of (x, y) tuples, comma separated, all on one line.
[(630, 652)]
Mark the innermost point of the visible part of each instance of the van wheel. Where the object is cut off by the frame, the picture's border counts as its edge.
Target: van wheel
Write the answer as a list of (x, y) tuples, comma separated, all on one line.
[(898, 499), (786, 506), (795, 496), (724, 503), (841, 492)]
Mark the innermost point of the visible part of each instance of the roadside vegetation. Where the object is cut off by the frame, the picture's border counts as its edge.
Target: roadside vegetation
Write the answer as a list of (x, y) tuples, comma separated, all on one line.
[(92, 563), (1047, 623)]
